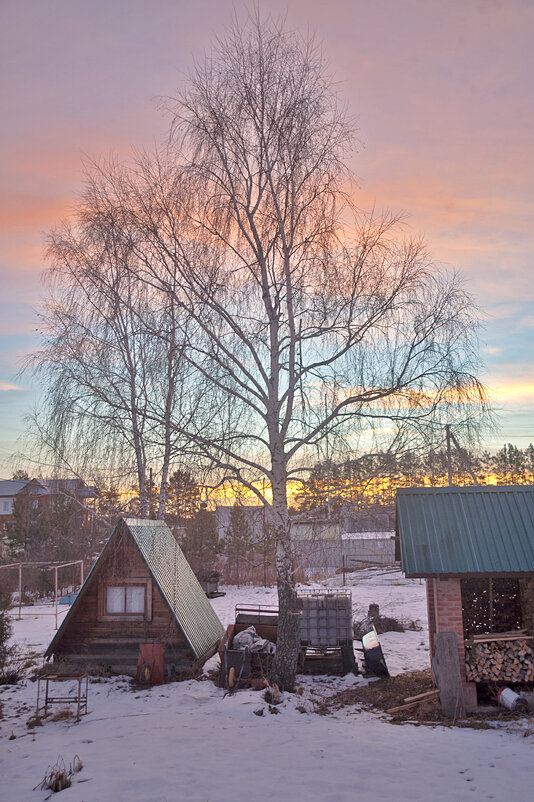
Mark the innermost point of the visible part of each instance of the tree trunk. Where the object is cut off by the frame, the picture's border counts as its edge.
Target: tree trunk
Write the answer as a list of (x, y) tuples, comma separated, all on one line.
[(284, 667)]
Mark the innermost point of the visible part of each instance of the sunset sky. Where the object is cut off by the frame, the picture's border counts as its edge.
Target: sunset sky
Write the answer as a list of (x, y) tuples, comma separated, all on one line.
[(442, 94)]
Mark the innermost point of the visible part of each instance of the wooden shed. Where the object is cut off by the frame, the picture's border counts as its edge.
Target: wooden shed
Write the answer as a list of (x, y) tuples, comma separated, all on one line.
[(140, 590), (475, 548)]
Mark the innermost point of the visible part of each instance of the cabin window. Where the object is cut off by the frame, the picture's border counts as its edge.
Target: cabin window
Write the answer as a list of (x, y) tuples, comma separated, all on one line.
[(125, 599)]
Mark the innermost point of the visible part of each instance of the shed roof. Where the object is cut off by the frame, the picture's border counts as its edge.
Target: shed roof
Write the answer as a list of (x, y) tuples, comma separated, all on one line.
[(175, 579), (455, 531)]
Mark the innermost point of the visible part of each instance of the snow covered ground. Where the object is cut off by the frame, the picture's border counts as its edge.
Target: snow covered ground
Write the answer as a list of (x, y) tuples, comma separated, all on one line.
[(192, 741)]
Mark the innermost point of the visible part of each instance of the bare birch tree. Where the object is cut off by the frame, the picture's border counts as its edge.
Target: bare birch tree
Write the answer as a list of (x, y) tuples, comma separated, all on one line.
[(298, 319), (110, 359), (307, 322)]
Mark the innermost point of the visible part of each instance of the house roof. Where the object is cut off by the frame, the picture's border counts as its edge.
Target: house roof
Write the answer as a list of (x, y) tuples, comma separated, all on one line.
[(175, 579), (455, 531), (10, 487), (70, 487)]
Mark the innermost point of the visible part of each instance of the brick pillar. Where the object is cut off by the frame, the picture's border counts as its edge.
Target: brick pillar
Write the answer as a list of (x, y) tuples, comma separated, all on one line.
[(431, 610), (447, 614)]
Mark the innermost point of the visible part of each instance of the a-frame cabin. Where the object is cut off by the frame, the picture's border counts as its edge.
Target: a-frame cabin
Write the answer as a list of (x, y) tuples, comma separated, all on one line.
[(140, 590)]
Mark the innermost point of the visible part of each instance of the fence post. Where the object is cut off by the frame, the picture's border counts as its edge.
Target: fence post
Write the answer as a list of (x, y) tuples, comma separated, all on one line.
[(55, 583), (20, 591)]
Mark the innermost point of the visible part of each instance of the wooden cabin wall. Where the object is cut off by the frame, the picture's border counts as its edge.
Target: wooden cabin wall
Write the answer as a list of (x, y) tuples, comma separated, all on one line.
[(90, 642)]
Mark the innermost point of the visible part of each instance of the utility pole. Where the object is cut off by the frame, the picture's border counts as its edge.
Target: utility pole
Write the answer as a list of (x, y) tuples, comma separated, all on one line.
[(327, 469), (461, 454), (449, 460)]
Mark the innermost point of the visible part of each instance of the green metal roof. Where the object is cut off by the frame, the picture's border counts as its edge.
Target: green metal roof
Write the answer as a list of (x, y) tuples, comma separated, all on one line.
[(175, 579), (454, 531)]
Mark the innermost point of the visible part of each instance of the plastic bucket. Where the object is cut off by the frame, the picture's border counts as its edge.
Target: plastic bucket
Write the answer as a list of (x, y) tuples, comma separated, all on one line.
[(370, 641), (508, 698)]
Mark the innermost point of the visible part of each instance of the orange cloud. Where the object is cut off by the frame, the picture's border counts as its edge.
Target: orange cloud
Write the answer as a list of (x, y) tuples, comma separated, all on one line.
[(512, 392), (5, 387)]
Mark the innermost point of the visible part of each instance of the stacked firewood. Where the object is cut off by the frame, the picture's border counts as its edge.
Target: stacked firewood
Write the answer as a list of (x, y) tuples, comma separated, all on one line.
[(500, 657)]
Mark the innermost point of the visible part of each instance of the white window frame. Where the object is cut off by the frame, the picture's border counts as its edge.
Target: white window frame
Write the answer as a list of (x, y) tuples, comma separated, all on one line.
[(125, 615)]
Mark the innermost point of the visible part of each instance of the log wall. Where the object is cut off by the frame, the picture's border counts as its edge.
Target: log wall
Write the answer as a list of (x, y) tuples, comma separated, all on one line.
[(91, 641)]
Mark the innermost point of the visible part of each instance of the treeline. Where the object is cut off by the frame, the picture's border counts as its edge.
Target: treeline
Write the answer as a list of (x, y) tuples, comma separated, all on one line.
[(62, 529), (374, 479)]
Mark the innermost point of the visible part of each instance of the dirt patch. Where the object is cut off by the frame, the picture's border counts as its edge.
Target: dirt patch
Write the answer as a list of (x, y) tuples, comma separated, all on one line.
[(390, 692)]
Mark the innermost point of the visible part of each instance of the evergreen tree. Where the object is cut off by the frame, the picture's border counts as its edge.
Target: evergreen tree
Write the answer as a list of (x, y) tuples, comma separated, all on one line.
[(200, 543)]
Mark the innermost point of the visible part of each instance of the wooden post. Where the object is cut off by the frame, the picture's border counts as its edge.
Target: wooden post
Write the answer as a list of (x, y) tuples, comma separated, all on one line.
[(79, 697), (55, 585), (446, 667), (20, 591)]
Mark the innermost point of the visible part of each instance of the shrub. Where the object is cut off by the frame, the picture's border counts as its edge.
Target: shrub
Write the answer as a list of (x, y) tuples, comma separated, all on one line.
[(6, 651)]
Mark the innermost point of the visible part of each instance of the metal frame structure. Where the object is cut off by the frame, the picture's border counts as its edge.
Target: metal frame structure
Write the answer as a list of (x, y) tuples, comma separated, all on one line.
[(48, 566), (79, 698)]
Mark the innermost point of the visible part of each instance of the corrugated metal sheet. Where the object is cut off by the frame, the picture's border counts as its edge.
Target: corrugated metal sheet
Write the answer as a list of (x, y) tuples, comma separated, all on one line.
[(178, 583), (176, 580), (466, 530)]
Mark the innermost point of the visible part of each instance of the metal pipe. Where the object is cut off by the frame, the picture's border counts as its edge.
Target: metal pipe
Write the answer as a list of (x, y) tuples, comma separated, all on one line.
[(449, 460)]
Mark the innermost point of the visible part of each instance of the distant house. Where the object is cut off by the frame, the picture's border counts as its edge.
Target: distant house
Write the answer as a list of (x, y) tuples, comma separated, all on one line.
[(368, 519), (10, 490), (40, 493), (366, 549), (140, 590), (314, 529), (475, 548), (75, 488)]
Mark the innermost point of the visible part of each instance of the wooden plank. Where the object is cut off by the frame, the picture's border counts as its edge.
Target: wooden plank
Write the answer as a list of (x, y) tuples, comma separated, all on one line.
[(402, 707), (446, 668), (495, 638), (422, 696)]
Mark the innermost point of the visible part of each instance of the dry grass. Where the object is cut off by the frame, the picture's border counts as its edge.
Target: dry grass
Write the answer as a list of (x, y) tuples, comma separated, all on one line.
[(62, 715), (390, 692), (383, 623), (58, 776)]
